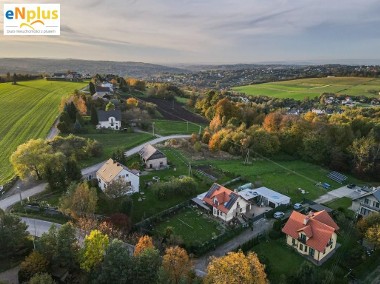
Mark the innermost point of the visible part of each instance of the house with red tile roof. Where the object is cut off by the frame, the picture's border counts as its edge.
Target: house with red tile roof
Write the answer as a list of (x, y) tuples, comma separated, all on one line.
[(313, 235), (225, 203)]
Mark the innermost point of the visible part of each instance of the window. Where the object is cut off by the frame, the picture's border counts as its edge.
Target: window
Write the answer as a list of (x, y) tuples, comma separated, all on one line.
[(127, 175), (311, 252), (303, 238), (305, 249), (301, 246), (376, 204), (293, 242), (366, 201)]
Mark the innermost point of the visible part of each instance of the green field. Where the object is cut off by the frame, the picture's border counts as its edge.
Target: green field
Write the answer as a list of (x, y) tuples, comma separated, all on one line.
[(301, 88), (169, 127), (191, 225), (113, 140), (284, 176), (27, 110)]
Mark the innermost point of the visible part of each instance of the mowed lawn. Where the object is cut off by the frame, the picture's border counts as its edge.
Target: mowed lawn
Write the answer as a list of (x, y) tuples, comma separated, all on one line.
[(301, 88), (191, 225), (27, 110), (169, 127), (283, 176), (112, 141)]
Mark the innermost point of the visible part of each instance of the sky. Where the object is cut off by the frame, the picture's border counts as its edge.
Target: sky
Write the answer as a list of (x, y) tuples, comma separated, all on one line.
[(206, 31)]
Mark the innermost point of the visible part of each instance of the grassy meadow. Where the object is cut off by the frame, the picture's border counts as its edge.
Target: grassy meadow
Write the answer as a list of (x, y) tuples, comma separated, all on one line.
[(302, 88), (169, 127), (27, 110)]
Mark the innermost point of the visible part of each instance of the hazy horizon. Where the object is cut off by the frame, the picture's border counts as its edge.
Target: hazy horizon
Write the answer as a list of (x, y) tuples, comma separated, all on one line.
[(207, 32)]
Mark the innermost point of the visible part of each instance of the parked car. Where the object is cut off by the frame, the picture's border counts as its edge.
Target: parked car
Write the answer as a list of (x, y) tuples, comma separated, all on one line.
[(352, 185), (278, 215), (297, 206)]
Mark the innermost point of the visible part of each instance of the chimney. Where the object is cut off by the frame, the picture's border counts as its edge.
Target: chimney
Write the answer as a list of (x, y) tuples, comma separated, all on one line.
[(306, 220)]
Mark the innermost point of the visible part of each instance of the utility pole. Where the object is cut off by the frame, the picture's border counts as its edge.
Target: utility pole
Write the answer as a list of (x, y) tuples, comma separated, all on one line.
[(200, 129), (190, 172), (187, 126), (153, 127), (246, 161)]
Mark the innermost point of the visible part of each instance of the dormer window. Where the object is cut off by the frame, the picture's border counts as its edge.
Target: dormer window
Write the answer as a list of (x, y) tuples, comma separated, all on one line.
[(216, 202), (302, 238)]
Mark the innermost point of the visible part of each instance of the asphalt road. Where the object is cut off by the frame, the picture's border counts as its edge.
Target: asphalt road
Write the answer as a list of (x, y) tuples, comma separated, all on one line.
[(13, 199), (135, 150), (38, 227)]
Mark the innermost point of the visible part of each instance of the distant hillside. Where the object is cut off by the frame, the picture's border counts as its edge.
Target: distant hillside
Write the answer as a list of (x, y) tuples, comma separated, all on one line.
[(36, 65)]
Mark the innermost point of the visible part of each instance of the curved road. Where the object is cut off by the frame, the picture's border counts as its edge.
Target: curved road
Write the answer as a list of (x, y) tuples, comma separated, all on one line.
[(30, 191)]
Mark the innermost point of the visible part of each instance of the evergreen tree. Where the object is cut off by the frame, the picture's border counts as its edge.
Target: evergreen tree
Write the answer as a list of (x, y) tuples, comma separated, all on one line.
[(72, 111), (73, 171), (14, 79), (92, 88), (94, 116)]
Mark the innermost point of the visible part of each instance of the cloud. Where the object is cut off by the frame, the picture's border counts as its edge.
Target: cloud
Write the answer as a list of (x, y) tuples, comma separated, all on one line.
[(212, 30)]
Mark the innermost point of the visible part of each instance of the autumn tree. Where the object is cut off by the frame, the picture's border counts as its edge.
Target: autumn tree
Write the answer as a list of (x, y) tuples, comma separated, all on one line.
[(116, 188), (42, 278), (176, 265), (272, 122), (136, 84), (145, 242), (93, 251), (33, 157), (33, 264), (235, 267), (369, 228), (79, 200), (132, 102), (110, 106)]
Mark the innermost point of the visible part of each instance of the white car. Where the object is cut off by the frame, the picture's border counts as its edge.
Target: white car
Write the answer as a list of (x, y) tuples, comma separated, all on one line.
[(297, 206), (278, 215)]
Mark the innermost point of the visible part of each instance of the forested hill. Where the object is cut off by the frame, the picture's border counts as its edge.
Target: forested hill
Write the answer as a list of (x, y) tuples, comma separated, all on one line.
[(37, 65)]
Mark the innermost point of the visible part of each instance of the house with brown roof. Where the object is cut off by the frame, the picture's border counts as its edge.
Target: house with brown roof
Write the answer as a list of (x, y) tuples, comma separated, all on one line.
[(313, 235), (224, 203), (112, 170), (153, 158)]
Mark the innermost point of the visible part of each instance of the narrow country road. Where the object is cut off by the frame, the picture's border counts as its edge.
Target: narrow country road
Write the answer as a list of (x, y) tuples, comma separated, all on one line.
[(259, 227), (135, 150), (38, 227), (28, 188), (13, 199)]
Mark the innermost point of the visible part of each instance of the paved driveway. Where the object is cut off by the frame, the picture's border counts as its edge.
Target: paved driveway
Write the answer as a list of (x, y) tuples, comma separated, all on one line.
[(259, 227), (343, 191)]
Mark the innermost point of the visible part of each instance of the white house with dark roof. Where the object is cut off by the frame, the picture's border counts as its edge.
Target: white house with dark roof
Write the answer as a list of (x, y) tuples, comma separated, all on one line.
[(225, 203), (367, 203), (109, 119), (153, 158), (112, 170)]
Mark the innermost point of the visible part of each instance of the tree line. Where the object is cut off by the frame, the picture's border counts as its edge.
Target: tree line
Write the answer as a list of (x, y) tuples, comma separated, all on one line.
[(347, 141)]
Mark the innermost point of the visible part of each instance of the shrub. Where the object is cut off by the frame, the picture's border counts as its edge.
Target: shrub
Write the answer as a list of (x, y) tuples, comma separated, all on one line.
[(33, 264)]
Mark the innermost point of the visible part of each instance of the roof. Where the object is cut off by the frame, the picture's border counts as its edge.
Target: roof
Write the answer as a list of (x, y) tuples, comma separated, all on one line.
[(269, 194), (318, 228), (319, 207), (102, 89), (226, 198), (111, 169), (375, 193), (148, 152), (105, 115)]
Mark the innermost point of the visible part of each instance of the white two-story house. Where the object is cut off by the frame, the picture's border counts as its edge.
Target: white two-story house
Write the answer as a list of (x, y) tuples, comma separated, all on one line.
[(112, 170), (367, 203), (109, 119), (225, 203)]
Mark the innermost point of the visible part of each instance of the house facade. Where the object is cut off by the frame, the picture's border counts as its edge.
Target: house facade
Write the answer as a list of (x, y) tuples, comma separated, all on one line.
[(109, 119), (367, 203), (224, 203), (153, 158), (112, 170), (312, 235)]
